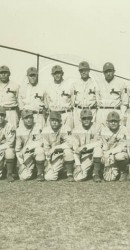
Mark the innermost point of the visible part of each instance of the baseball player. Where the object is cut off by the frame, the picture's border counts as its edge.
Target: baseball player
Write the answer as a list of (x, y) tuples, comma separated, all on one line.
[(127, 113), (114, 139), (86, 145), (31, 97), (86, 93), (29, 150), (112, 94), (7, 141), (58, 148), (8, 96), (59, 96)]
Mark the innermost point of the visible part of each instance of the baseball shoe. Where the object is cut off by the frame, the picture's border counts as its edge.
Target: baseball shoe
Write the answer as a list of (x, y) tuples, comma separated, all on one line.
[(40, 177), (96, 178), (10, 178), (123, 177)]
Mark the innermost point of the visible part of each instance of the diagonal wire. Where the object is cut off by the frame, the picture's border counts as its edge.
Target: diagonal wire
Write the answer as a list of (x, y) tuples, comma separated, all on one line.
[(54, 59)]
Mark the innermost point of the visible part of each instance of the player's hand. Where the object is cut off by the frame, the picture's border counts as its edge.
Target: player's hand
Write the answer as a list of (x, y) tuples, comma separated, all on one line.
[(58, 150), (84, 150)]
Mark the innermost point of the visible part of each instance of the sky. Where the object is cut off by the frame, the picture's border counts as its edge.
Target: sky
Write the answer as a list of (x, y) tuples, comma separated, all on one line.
[(72, 30)]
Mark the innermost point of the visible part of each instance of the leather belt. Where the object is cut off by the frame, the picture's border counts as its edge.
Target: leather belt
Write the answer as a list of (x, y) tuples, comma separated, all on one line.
[(37, 112), (62, 111), (10, 108), (79, 107), (109, 107), (65, 111)]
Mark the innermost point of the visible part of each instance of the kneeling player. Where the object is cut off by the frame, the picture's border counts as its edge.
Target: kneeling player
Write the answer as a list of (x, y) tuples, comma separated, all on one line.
[(86, 147), (58, 148), (7, 140), (29, 148), (114, 139)]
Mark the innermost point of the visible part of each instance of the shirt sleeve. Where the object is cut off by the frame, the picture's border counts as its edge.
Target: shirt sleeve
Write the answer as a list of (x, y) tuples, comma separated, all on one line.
[(20, 98)]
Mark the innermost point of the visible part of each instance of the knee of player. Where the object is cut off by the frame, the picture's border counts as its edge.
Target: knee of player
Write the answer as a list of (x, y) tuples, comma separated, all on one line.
[(39, 154), (121, 156), (10, 153), (68, 155), (97, 152)]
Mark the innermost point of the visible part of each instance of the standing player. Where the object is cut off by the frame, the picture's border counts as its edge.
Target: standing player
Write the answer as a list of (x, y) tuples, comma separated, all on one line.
[(29, 150), (112, 94), (58, 148), (7, 143), (59, 96), (31, 97), (8, 96), (86, 93)]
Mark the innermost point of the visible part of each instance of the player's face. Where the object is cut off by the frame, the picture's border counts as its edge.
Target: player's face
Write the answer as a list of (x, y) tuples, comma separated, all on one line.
[(55, 124), (33, 79), (4, 76), (2, 118), (58, 76), (109, 75), (113, 125), (86, 122), (28, 121), (84, 73)]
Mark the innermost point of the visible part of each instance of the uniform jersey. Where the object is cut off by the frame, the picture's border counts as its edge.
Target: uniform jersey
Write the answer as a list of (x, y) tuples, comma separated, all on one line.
[(59, 96), (52, 139), (112, 140), (86, 93), (8, 94), (31, 97), (82, 137), (112, 94), (28, 138)]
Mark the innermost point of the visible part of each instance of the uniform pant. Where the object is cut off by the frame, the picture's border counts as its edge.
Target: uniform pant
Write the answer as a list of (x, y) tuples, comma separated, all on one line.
[(56, 164), (77, 119), (25, 171), (8, 154), (12, 117), (81, 172), (103, 113)]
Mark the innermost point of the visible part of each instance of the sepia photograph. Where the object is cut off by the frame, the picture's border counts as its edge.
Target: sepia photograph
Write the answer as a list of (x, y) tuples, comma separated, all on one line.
[(64, 125)]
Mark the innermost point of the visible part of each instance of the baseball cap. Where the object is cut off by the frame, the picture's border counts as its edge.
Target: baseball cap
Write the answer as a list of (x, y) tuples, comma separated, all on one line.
[(108, 66), (55, 115), (4, 69), (2, 110), (84, 65), (57, 68), (113, 116), (26, 112), (32, 71), (86, 113)]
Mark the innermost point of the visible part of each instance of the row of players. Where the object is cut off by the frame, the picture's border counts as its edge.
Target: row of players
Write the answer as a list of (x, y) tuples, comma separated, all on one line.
[(102, 150), (69, 98)]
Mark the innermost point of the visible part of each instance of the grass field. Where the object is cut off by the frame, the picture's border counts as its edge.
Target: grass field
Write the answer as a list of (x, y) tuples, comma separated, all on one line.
[(64, 216)]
